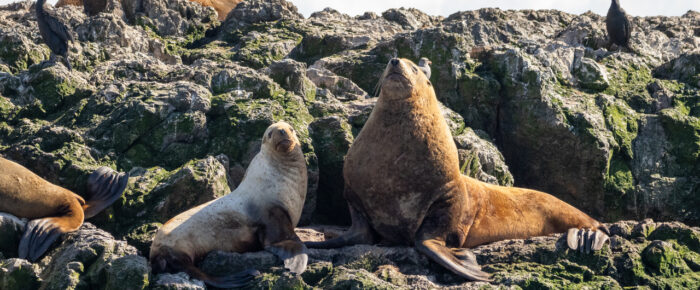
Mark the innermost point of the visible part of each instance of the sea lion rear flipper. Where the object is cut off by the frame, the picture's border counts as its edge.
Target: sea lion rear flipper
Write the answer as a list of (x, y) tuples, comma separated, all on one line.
[(294, 254), (167, 259), (586, 240), (38, 237), (105, 186), (461, 261)]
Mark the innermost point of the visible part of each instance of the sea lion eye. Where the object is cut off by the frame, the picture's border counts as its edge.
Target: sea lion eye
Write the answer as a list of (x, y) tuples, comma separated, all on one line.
[(269, 135), (429, 83)]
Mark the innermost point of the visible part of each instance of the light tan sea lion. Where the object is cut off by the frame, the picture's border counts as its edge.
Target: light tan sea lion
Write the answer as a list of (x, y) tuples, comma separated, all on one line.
[(260, 213), (54, 210), (404, 187)]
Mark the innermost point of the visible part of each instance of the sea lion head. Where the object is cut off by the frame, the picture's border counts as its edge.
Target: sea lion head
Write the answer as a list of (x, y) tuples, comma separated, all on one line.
[(402, 78), (280, 137)]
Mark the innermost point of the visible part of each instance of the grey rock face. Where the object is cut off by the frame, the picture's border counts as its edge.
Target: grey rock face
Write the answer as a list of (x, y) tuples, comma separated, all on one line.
[(163, 90)]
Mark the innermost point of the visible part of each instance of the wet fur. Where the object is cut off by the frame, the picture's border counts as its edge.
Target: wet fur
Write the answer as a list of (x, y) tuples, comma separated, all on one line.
[(404, 187), (260, 214)]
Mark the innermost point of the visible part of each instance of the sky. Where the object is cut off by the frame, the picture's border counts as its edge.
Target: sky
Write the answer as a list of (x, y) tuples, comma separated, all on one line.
[(447, 7)]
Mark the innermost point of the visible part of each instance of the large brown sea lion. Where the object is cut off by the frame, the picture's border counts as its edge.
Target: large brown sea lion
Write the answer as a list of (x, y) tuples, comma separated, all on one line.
[(54, 210), (260, 213), (404, 187)]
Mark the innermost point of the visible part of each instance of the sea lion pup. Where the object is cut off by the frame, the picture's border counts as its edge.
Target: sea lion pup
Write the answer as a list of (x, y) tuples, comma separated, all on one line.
[(404, 187), (222, 7), (260, 213), (618, 25), (54, 210)]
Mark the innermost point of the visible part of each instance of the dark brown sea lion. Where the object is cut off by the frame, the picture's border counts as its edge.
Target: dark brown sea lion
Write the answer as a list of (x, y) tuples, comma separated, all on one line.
[(54, 210), (260, 213), (404, 187)]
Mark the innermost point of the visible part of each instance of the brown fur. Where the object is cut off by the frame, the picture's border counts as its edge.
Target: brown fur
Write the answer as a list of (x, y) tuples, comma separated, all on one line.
[(222, 7), (403, 181), (25, 194), (62, 3)]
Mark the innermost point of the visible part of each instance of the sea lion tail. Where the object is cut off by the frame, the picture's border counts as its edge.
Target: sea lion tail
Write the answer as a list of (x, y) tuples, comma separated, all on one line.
[(460, 261), (166, 259), (105, 186)]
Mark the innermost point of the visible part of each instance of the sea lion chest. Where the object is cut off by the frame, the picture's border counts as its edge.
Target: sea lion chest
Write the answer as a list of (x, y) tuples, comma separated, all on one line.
[(399, 164)]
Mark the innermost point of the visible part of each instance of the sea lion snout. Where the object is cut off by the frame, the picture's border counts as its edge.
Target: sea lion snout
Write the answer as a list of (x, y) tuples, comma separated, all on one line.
[(284, 146), (281, 137)]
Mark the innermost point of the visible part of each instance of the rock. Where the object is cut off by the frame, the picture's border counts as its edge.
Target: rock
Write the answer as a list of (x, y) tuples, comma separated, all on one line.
[(332, 137), (342, 88), (11, 229), (256, 11), (16, 274), (533, 98), (91, 256), (179, 281), (292, 76), (410, 18), (591, 75)]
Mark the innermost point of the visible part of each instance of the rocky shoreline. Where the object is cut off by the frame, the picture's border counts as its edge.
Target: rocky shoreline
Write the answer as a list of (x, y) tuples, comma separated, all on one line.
[(163, 90)]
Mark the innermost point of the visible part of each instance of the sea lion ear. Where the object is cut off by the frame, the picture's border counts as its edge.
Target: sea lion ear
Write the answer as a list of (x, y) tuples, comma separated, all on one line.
[(429, 83)]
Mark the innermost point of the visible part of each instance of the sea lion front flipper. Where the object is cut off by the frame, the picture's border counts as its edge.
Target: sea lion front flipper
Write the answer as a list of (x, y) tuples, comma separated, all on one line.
[(281, 240), (105, 186), (294, 254), (360, 231), (459, 262), (37, 238)]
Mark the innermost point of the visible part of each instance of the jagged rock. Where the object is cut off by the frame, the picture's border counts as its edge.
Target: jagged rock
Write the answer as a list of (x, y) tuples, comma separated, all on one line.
[(539, 261), (171, 17), (158, 86), (410, 18), (17, 274), (91, 257), (11, 229), (255, 11), (292, 76), (179, 281), (342, 88)]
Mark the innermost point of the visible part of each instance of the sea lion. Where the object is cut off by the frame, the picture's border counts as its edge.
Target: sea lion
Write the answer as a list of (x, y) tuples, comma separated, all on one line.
[(404, 187), (618, 25), (260, 213), (54, 210), (222, 7)]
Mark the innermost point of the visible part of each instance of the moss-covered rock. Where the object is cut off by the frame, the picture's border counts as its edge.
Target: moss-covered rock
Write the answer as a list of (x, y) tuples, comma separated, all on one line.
[(17, 274)]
